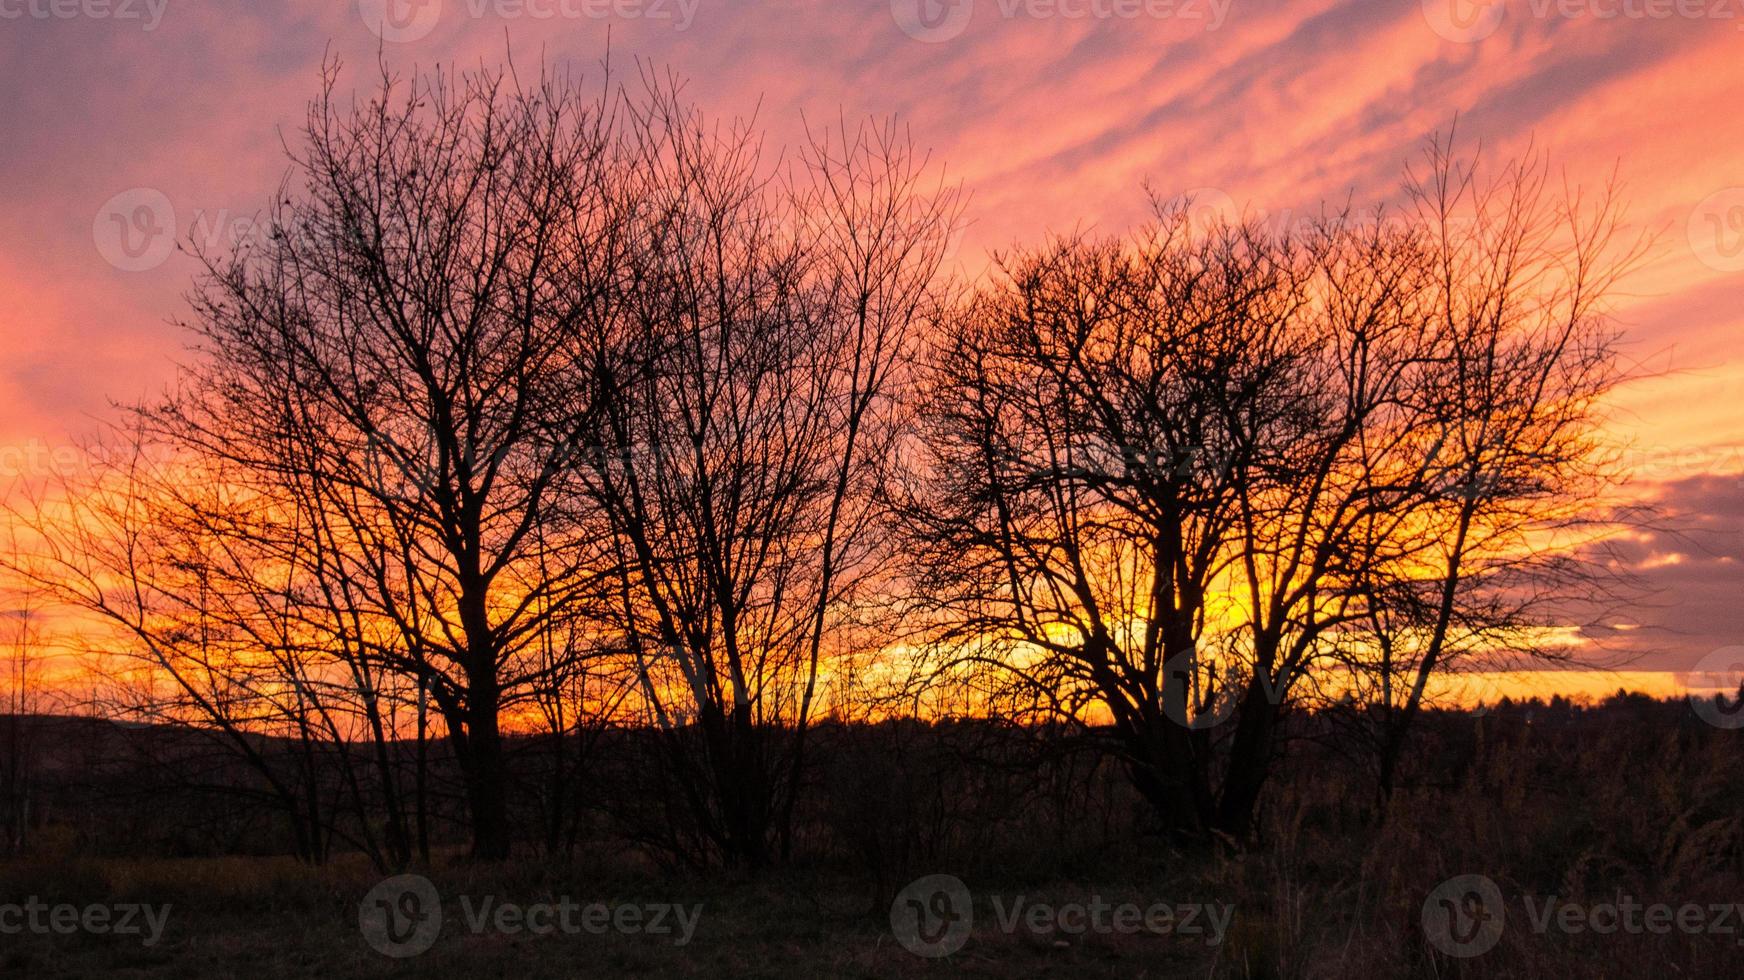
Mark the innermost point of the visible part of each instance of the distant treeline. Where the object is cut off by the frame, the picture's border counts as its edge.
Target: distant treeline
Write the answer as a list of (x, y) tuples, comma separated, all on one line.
[(885, 800)]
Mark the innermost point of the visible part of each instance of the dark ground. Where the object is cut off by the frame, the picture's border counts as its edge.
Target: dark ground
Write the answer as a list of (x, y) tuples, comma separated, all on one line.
[(1630, 802)]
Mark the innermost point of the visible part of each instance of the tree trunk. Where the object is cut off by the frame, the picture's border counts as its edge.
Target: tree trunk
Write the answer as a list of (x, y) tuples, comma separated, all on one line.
[(478, 748), (1250, 757), (486, 777)]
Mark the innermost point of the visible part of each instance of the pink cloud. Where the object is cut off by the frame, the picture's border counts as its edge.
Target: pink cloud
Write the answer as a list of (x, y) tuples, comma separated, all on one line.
[(1051, 122)]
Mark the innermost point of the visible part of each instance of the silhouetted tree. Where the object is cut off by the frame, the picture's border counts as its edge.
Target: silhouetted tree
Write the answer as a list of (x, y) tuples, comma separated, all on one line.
[(392, 365), (776, 316), (1502, 544), (1169, 483)]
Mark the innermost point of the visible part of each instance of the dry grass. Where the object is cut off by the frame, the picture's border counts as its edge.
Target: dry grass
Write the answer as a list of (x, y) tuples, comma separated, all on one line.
[(1587, 813)]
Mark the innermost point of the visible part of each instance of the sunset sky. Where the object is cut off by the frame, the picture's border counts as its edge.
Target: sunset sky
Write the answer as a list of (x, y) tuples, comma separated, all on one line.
[(121, 119)]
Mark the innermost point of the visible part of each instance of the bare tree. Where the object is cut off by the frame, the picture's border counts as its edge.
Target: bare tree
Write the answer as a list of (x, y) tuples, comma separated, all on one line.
[(1074, 510), (395, 360), (1166, 479), (23, 639), (776, 314), (182, 623), (1518, 480)]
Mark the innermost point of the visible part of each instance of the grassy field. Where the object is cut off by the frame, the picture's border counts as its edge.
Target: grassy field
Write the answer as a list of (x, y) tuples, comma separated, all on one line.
[(1573, 823), (263, 918)]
